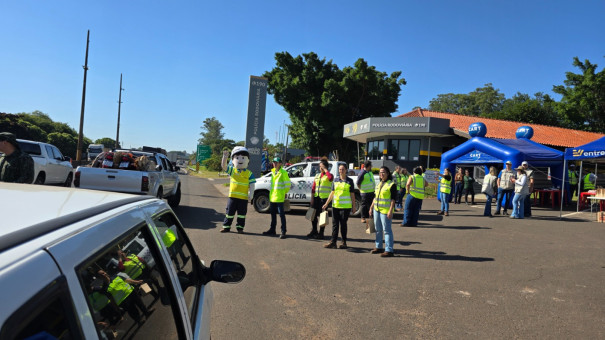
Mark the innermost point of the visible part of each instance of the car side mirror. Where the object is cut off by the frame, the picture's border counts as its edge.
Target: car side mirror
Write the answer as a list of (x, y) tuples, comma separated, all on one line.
[(227, 271)]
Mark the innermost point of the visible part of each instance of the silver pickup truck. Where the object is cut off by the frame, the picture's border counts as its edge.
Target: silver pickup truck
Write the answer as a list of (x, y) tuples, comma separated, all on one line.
[(160, 179)]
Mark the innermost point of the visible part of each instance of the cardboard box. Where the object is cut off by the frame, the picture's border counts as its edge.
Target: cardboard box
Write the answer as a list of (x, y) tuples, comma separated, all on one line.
[(601, 216)]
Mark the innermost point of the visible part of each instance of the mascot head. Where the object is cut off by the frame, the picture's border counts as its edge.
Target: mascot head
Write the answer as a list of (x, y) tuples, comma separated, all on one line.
[(240, 157)]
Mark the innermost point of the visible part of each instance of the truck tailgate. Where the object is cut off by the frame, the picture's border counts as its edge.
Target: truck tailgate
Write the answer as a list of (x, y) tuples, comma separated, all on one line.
[(111, 179)]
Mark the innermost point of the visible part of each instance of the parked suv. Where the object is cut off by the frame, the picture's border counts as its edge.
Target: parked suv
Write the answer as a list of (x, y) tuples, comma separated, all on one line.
[(50, 166), (100, 265)]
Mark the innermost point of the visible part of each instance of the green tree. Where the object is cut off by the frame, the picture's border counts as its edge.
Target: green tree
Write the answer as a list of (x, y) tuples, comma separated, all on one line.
[(67, 143), (320, 98), (212, 134), (522, 108), (583, 97), (484, 101), (107, 142)]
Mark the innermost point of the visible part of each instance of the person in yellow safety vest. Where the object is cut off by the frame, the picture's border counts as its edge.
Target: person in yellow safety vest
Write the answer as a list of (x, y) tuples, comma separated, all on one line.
[(415, 187), (382, 208), (174, 246), (136, 267), (404, 179), (241, 188), (280, 185), (445, 189), (366, 185), (344, 200), (320, 191), (588, 181), (124, 294), (572, 177), (397, 182)]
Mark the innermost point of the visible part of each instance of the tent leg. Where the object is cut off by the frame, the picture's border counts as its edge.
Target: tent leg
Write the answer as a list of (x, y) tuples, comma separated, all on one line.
[(562, 187), (579, 182)]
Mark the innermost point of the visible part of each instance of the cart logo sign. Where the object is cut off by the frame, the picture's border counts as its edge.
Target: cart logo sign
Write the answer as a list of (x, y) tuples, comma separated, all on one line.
[(580, 152), (476, 155)]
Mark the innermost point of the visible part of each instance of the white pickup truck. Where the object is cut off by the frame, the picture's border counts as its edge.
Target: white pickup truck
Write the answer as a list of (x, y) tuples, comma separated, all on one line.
[(160, 179), (302, 176), (50, 166)]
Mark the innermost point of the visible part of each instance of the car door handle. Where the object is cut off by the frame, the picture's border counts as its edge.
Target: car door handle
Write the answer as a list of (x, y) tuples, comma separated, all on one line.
[(111, 177)]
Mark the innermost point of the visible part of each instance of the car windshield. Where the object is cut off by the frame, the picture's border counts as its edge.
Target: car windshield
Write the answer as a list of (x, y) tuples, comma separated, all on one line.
[(95, 149), (30, 148)]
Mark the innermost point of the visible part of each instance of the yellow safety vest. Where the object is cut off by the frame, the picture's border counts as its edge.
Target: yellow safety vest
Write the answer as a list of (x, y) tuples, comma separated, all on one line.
[(383, 197), (342, 195), (367, 184), (168, 238), (404, 180), (417, 187), (573, 178), (446, 186), (280, 185), (323, 186), (98, 301), (134, 267), (239, 183), (119, 289), (397, 180), (588, 185)]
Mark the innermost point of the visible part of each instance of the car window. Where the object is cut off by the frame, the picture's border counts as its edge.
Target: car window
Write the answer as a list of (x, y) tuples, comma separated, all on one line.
[(30, 148), (296, 171), (57, 153), (49, 151), (314, 169), (47, 315), (164, 166), (129, 291), (180, 254), (168, 164)]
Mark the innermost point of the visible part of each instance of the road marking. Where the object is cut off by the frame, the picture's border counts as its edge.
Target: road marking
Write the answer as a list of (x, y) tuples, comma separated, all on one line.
[(463, 293)]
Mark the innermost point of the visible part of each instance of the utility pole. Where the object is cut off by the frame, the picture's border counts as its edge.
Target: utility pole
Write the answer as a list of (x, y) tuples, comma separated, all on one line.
[(119, 106), (286, 148), (80, 134)]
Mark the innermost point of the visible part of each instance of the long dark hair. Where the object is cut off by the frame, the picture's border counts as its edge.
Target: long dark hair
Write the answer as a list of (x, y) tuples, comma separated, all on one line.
[(389, 176)]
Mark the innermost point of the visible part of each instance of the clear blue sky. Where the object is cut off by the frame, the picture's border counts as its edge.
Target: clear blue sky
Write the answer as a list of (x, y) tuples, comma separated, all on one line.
[(185, 61)]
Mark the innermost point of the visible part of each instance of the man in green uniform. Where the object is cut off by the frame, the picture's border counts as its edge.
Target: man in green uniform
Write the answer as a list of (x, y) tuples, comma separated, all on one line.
[(15, 165)]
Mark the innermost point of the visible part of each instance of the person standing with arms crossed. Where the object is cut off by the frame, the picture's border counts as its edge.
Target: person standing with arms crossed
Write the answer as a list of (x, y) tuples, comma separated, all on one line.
[(505, 188), (366, 185), (320, 191), (344, 199), (16, 166), (445, 188), (413, 203), (459, 184), (280, 185), (382, 208)]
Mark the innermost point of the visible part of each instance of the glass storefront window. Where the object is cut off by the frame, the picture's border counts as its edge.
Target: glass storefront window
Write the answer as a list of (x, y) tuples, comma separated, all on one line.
[(404, 149)]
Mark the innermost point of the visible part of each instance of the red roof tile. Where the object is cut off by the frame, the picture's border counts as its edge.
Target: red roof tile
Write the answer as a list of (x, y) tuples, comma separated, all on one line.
[(543, 134)]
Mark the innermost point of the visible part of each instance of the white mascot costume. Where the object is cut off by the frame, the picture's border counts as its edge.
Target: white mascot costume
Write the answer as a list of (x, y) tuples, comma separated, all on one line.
[(241, 187)]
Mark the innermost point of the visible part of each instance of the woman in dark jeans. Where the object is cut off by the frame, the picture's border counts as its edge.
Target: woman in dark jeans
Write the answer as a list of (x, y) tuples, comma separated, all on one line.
[(459, 184), (468, 187)]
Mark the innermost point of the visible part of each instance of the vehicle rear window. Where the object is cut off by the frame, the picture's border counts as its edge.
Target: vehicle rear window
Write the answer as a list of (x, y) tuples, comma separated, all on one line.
[(30, 148)]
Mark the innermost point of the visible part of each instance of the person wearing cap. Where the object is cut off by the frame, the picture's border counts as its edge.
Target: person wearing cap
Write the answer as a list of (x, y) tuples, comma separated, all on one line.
[(16, 166), (241, 187), (521, 184), (530, 177), (505, 188), (280, 185)]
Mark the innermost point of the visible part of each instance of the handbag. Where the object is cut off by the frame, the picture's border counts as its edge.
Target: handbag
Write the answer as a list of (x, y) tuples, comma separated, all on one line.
[(371, 228), (324, 219), (310, 214)]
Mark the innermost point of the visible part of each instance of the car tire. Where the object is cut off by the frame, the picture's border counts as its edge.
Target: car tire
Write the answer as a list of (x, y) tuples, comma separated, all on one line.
[(261, 202), (68, 180), (357, 208), (40, 179), (175, 199)]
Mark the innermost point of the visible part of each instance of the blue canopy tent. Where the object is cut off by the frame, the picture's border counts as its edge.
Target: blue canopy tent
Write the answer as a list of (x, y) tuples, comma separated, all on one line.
[(485, 151), (592, 151)]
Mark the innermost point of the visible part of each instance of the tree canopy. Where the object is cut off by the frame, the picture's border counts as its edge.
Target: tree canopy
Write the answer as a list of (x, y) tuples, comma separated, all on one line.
[(320, 98)]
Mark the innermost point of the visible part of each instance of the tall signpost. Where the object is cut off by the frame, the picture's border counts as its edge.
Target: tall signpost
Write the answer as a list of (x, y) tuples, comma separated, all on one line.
[(255, 125)]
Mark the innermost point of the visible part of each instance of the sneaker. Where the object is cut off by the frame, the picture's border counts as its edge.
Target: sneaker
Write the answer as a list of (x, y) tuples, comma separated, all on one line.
[(505, 213), (270, 232), (343, 246), (225, 230), (387, 254), (377, 251), (447, 213), (319, 236), (330, 245), (497, 213), (312, 234), (363, 220), (282, 236), (440, 213), (240, 230)]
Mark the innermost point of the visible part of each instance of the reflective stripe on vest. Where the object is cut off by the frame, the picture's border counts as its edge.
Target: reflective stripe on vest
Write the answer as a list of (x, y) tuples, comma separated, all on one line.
[(588, 185), (342, 195), (383, 197), (323, 186), (367, 184), (168, 238), (239, 184), (119, 289), (573, 179), (134, 267), (279, 183), (417, 187), (446, 186)]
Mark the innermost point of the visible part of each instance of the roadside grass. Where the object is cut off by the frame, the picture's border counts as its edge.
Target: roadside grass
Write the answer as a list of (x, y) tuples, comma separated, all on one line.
[(204, 173)]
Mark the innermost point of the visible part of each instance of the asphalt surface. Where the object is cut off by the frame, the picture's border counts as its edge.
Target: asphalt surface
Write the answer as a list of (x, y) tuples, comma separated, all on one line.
[(463, 276)]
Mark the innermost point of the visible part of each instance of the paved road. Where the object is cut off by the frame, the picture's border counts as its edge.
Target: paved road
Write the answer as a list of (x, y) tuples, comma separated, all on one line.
[(458, 277)]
